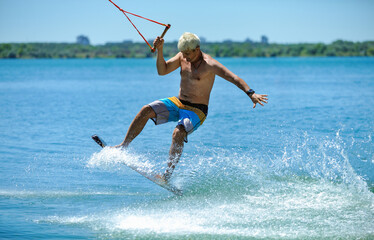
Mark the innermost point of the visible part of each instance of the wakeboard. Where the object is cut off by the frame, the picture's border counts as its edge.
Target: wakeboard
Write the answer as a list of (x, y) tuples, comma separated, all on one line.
[(152, 177)]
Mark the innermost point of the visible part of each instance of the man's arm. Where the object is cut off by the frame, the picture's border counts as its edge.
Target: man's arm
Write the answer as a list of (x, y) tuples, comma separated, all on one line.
[(165, 67), (225, 73)]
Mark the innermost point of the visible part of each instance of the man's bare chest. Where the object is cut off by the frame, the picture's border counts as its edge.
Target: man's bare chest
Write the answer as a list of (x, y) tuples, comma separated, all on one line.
[(192, 73)]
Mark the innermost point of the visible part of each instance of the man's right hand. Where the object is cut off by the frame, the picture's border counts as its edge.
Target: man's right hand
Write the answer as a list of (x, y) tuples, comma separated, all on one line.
[(158, 43)]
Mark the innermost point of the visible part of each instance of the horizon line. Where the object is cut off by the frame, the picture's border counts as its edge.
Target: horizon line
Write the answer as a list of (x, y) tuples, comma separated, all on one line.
[(176, 41)]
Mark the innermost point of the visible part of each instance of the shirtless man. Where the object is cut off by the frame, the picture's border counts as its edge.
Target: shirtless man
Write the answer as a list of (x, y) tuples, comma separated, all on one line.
[(190, 108)]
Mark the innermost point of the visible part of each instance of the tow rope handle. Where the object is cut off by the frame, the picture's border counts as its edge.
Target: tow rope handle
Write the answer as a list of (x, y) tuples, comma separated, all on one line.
[(162, 35), (167, 26)]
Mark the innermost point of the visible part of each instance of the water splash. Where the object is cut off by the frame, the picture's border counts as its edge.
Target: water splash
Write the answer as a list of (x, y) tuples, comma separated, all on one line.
[(307, 189), (112, 159)]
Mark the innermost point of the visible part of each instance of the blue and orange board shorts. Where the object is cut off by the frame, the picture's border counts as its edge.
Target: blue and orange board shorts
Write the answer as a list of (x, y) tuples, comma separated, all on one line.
[(173, 110)]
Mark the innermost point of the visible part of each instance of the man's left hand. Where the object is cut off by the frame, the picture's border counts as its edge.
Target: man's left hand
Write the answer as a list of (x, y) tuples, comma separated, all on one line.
[(259, 98)]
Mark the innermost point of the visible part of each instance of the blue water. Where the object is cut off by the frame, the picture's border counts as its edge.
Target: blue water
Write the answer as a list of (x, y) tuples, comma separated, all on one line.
[(300, 167)]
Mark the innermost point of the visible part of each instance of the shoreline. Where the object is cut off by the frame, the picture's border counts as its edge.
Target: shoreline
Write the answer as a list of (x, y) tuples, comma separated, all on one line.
[(131, 50)]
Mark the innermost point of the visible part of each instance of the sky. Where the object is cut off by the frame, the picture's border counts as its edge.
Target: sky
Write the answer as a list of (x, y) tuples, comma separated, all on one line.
[(282, 21)]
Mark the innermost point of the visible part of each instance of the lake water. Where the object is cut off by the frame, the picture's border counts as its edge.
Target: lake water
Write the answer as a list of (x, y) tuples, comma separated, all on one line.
[(302, 167)]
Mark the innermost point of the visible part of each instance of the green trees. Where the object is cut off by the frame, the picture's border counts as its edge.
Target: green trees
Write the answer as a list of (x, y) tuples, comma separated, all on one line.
[(216, 49)]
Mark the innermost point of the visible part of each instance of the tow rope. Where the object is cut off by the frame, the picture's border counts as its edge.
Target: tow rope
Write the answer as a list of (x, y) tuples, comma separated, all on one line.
[(167, 26)]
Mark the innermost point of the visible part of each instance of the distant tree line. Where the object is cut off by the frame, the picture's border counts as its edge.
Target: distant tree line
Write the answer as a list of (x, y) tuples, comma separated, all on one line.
[(130, 49)]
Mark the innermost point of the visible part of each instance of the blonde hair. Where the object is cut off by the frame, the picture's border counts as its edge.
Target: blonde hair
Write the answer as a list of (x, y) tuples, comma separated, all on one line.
[(188, 41)]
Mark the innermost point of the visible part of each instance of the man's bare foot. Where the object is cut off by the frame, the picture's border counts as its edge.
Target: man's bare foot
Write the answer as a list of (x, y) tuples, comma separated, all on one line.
[(161, 178), (120, 146)]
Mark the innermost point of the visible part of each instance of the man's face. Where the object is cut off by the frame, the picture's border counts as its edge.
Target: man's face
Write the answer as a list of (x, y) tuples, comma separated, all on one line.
[(191, 55)]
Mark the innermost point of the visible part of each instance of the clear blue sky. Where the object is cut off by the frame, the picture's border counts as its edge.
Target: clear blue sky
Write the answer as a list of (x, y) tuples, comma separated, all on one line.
[(283, 21)]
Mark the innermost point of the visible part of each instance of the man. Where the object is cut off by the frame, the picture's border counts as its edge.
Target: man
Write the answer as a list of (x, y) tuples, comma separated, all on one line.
[(190, 108)]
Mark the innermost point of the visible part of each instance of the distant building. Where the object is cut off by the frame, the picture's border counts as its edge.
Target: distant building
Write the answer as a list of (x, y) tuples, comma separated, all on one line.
[(264, 39), (248, 40), (83, 40), (202, 39)]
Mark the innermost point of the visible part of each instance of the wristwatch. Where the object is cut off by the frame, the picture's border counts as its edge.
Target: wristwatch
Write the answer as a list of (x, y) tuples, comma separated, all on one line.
[(250, 92)]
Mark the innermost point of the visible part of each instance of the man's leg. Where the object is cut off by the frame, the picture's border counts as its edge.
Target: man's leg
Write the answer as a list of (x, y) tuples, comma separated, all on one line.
[(137, 125), (176, 149)]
